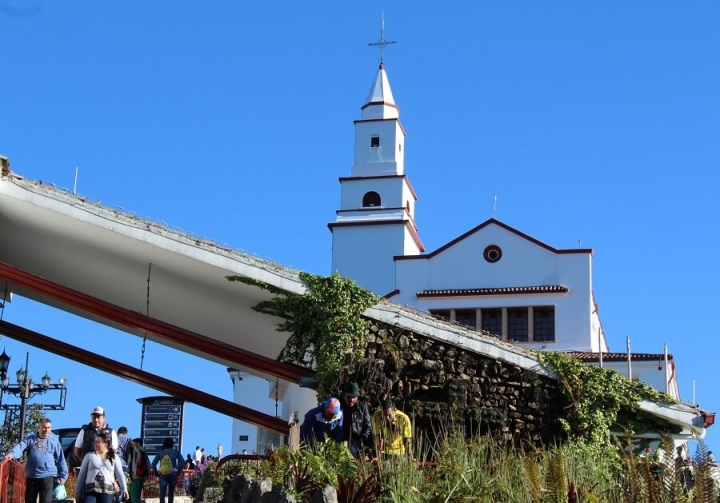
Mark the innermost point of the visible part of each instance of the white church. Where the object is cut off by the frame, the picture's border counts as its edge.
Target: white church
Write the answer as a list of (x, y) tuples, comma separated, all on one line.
[(493, 278)]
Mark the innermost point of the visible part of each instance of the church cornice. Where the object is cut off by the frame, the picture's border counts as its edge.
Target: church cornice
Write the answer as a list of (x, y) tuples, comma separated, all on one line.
[(379, 177), (409, 224), (359, 121), (381, 104)]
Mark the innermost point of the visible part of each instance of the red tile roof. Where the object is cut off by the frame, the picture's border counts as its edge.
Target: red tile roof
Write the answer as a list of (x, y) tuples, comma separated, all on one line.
[(509, 290), (618, 357)]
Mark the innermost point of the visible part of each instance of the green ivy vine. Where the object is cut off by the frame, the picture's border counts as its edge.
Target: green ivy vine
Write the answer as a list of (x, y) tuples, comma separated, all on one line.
[(601, 400), (325, 324)]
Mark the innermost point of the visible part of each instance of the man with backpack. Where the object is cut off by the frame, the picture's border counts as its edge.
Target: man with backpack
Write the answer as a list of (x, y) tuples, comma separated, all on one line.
[(138, 468), (171, 463)]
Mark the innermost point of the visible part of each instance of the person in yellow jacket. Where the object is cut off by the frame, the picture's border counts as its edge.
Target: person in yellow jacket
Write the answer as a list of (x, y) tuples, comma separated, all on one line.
[(392, 431)]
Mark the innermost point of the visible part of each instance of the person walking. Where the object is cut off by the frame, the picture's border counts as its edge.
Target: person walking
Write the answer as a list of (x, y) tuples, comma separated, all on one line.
[(393, 431), (138, 469), (124, 444), (357, 423), (45, 462), (321, 422), (85, 441), (101, 476), (171, 462)]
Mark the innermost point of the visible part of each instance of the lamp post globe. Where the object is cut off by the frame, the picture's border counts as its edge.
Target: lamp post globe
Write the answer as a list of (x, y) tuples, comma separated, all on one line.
[(4, 363)]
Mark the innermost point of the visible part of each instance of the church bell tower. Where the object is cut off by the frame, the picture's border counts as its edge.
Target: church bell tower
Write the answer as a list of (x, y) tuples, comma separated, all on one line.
[(376, 219)]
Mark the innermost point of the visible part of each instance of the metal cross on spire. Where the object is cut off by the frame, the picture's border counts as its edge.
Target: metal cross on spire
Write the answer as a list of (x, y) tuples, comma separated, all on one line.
[(382, 42)]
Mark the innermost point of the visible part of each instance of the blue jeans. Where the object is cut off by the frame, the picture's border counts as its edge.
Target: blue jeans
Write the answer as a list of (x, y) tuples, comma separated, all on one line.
[(167, 481), (98, 498)]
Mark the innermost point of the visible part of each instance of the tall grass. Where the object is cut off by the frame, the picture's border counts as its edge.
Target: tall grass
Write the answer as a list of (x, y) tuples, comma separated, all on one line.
[(453, 469), (483, 470)]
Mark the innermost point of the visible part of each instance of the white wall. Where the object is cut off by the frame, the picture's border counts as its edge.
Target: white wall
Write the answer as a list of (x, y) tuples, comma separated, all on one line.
[(365, 254), (523, 263), (650, 372), (250, 391)]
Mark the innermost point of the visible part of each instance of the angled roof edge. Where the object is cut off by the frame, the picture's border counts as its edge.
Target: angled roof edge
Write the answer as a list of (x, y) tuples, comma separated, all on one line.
[(500, 224), (66, 203), (688, 416)]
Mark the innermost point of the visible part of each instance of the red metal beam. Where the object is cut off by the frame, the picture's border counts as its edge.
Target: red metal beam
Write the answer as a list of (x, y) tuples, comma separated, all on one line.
[(160, 329), (145, 378)]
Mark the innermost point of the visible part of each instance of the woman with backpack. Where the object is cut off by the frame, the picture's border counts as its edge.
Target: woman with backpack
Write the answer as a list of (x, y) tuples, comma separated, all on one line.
[(101, 476), (168, 462)]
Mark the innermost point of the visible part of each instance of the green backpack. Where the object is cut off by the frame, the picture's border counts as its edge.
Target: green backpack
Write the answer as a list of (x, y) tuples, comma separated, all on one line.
[(166, 465)]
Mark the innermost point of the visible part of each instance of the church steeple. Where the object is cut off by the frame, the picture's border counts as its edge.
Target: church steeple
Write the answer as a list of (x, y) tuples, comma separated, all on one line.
[(380, 103), (379, 135), (376, 219)]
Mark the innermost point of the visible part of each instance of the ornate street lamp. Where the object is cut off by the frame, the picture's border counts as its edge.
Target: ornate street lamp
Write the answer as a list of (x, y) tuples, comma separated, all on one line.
[(25, 389)]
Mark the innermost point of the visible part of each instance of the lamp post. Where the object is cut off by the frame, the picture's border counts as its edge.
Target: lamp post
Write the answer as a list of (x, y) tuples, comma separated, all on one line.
[(25, 389)]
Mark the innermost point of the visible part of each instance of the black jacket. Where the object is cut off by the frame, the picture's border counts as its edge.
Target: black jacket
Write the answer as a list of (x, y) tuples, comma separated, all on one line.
[(88, 444), (361, 423)]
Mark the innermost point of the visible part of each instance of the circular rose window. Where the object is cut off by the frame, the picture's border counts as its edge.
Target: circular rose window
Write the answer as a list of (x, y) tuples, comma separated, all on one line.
[(492, 253)]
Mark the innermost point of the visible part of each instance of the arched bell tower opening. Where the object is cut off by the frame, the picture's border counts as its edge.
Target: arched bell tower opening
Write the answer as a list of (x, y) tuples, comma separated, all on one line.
[(371, 199)]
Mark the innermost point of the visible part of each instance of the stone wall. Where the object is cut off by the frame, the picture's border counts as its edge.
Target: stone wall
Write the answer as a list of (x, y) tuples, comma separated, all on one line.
[(435, 381)]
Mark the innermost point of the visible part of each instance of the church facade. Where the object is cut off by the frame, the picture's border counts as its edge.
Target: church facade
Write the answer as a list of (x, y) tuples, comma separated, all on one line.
[(493, 278)]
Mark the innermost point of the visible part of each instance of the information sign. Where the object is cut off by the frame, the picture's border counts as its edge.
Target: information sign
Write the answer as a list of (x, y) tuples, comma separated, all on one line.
[(162, 417)]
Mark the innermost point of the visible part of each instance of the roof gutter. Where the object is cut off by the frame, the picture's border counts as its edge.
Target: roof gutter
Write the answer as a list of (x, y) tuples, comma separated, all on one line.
[(691, 419)]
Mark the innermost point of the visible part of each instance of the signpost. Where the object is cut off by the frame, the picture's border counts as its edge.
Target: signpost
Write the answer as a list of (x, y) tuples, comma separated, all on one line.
[(162, 417)]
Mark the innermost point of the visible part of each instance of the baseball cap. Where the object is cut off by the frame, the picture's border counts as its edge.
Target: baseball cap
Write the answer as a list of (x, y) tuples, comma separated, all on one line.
[(332, 405), (351, 389), (98, 410)]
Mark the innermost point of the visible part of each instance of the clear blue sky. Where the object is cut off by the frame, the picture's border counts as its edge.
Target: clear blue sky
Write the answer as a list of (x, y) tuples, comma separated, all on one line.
[(592, 122)]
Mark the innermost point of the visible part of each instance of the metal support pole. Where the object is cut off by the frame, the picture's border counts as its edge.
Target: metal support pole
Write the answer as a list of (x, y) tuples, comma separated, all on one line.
[(24, 397)]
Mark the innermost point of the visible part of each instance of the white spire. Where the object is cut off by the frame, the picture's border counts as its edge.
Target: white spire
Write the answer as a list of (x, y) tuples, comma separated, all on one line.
[(380, 103)]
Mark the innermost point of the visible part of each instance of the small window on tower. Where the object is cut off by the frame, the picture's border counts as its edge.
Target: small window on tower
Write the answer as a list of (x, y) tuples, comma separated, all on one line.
[(371, 199), (374, 142)]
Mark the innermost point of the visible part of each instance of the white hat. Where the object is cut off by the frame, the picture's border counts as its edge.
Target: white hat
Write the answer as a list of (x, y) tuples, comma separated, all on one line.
[(98, 410)]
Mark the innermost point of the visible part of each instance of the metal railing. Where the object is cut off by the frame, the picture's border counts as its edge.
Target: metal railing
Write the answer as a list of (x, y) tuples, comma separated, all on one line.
[(12, 482)]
